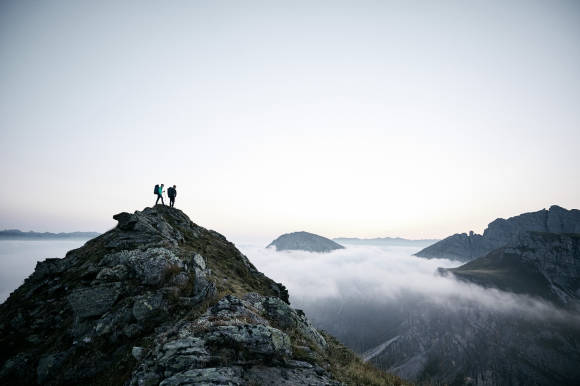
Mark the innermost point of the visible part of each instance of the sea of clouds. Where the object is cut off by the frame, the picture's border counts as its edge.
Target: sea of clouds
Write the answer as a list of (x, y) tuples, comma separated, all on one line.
[(386, 275)]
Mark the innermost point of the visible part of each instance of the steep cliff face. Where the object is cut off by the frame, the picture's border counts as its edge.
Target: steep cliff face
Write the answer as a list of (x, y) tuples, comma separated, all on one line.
[(500, 232), (304, 241), (472, 344), (538, 264), (161, 300)]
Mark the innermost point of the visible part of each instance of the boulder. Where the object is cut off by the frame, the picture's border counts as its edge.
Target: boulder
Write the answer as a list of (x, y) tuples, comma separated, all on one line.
[(94, 301)]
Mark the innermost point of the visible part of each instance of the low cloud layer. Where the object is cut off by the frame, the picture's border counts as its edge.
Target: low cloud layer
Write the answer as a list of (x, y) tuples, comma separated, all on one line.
[(386, 275)]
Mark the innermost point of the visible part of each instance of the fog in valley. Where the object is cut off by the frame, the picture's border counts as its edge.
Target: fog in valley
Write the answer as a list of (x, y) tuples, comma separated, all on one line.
[(19, 257), (369, 295), (394, 309)]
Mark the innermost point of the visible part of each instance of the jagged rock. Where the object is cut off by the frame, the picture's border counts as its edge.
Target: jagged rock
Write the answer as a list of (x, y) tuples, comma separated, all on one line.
[(117, 273), (289, 318), (19, 368), (138, 305), (138, 352), (236, 335), (534, 263), (95, 301), (48, 365), (208, 376), (304, 241), (263, 375), (152, 305), (199, 261), (151, 266), (109, 323), (501, 232), (49, 267), (126, 221), (258, 339), (187, 352)]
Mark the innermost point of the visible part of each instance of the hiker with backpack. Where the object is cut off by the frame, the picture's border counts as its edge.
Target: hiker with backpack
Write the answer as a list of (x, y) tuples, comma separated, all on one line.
[(158, 190), (172, 192)]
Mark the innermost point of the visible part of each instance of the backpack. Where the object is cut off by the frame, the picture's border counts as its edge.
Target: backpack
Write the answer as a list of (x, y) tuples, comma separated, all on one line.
[(156, 189)]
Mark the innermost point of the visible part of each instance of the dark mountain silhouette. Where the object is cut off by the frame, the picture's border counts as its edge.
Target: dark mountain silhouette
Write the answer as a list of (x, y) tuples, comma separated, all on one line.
[(17, 234), (304, 241), (500, 232)]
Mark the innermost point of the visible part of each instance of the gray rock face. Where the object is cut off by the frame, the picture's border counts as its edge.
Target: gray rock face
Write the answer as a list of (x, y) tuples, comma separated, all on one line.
[(488, 347), (288, 318), (94, 301), (304, 241), (233, 343), (48, 365), (501, 232), (538, 264), (475, 346), (139, 305)]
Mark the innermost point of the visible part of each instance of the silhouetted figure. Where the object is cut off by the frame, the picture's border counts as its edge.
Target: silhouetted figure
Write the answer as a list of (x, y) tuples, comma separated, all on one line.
[(172, 193), (159, 194)]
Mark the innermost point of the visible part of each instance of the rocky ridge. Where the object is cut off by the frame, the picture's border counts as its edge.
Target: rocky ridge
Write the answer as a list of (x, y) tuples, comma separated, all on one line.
[(501, 232), (466, 343), (304, 241), (538, 264), (159, 300)]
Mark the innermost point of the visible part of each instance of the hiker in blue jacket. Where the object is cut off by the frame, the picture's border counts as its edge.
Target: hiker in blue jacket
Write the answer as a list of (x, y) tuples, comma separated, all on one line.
[(160, 195)]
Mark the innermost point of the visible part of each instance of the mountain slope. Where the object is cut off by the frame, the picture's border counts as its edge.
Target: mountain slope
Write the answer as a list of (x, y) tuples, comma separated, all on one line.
[(500, 232), (472, 344), (159, 299), (304, 241), (538, 264)]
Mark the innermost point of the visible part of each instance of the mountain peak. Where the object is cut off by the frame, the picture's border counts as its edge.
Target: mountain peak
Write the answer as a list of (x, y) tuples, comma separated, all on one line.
[(500, 232), (159, 299), (304, 241)]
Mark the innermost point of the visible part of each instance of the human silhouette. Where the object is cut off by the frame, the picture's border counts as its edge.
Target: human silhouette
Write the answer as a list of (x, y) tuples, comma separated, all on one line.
[(172, 193), (160, 195)]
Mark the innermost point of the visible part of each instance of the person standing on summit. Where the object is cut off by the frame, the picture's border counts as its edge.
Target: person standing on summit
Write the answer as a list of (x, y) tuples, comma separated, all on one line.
[(159, 191), (172, 193)]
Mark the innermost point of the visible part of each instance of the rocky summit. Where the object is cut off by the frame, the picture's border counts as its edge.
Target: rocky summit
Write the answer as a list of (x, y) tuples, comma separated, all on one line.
[(304, 241), (501, 232), (159, 300)]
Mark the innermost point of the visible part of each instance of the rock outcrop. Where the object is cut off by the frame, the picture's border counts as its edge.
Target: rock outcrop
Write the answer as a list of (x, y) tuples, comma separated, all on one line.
[(304, 241), (501, 232), (471, 343), (538, 264), (159, 300)]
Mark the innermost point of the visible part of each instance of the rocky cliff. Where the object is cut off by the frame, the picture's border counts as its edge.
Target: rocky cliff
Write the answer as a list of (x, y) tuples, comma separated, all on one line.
[(304, 241), (538, 264), (500, 232), (159, 300), (470, 344)]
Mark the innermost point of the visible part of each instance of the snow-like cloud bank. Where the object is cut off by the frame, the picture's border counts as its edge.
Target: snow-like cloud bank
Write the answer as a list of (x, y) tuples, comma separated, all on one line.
[(386, 275)]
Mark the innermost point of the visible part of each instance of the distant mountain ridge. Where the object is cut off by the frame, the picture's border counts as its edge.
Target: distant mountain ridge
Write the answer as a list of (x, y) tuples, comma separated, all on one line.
[(18, 234), (396, 241), (501, 232), (304, 241)]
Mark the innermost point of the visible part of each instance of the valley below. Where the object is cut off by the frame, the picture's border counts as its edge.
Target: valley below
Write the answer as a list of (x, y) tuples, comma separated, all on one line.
[(400, 313)]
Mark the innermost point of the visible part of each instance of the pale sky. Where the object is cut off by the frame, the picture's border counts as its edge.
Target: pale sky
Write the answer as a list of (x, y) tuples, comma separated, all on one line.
[(416, 119)]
